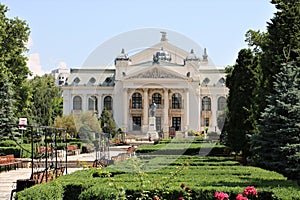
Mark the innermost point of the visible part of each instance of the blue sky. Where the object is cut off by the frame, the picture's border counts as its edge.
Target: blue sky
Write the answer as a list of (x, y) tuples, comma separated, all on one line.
[(66, 32)]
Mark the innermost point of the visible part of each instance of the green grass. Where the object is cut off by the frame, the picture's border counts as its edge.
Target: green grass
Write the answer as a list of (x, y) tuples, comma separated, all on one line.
[(204, 175)]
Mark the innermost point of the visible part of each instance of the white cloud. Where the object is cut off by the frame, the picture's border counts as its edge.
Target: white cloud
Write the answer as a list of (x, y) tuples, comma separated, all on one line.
[(34, 64)]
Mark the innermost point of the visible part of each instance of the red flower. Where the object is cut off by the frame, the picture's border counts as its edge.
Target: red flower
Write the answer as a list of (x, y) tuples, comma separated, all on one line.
[(180, 198), (221, 196), (182, 185), (156, 198), (250, 190), (187, 188), (241, 197)]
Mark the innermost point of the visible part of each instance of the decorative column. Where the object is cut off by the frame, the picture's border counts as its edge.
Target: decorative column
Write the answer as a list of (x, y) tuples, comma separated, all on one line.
[(85, 103), (145, 111), (214, 108), (186, 112), (166, 111), (125, 109)]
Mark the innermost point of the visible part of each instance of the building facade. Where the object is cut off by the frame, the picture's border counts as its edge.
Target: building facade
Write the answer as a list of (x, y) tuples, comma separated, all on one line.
[(189, 93)]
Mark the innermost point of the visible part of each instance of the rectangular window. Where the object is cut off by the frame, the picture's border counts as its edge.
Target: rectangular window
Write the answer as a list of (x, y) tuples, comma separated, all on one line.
[(137, 122), (176, 123), (206, 121)]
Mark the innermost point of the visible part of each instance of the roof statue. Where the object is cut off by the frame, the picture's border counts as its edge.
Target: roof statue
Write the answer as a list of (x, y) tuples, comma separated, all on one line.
[(163, 36), (205, 55)]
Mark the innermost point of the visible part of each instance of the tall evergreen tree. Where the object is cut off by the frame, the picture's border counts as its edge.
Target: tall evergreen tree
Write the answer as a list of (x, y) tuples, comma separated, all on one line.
[(7, 109), (277, 146), (242, 82), (283, 36), (108, 124)]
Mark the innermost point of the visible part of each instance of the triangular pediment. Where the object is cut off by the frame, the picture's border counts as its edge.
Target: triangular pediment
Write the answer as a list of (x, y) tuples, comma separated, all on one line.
[(177, 54), (157, 73)]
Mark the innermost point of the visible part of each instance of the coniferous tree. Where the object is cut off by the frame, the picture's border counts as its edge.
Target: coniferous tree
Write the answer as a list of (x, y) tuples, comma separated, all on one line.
[(277, 146), (107, 123), (283, 36), (242, 82), (7, 107)]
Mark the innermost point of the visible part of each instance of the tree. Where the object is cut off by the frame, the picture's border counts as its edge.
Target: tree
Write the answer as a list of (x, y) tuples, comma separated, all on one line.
[(277, 146), (107, 123), (282, 37), (242, 82), (46, 100), (7, 109), (67, 122), (14, 34)]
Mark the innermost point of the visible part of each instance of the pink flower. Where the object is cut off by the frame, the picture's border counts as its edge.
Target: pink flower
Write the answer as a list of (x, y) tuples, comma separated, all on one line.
[(250, 190), (156, 198), (241, 197), (221, 196), (180, 198)]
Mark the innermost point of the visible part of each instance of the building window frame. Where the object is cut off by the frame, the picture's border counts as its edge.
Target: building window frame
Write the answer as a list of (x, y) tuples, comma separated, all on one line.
[(77, 103), (136, 123), (108, 103), (137, 100), (206, 103), (157, 99), (176, 101)]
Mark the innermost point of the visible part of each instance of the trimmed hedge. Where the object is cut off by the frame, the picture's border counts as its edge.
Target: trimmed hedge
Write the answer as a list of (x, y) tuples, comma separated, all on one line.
[(134, 179)]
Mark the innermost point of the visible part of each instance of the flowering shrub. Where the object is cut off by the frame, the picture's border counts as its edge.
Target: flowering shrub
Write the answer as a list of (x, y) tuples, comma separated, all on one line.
[(221, 196), (250, 193)]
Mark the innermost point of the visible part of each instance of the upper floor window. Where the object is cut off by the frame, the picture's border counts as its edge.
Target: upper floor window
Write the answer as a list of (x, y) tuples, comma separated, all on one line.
[(206, 103), (156, 98), (136, 100), (93, 102), (176, 101), (77, 103), (108, 103), (221, 103)]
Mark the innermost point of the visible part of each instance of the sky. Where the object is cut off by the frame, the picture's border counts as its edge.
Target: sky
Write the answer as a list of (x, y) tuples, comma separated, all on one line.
[(64, 33)]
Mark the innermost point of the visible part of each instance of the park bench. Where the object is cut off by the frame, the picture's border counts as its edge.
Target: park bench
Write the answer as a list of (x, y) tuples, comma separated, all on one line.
[(72, 150), (8, 162)]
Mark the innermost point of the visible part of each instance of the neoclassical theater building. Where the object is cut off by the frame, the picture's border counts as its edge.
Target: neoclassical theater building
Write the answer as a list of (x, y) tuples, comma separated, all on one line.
[(189, 93)]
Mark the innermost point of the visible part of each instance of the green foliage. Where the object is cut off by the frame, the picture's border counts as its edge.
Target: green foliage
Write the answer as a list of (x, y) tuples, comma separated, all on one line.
[(242, 81), (107, 123), (46, 100), (14, 34), (204, 176), (277, 146)]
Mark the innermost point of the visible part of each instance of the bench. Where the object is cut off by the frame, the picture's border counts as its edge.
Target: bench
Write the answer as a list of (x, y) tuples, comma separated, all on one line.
[(8, 162), (72, 150)]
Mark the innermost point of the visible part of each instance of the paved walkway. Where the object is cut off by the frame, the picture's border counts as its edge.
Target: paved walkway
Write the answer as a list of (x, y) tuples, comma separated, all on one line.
[(8, 179)]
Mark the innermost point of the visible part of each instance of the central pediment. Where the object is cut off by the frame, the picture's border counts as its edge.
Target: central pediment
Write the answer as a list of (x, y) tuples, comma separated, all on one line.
[(156, 73)]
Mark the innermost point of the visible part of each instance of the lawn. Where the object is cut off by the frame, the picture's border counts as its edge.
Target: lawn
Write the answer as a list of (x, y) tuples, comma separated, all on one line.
[(150, 175)]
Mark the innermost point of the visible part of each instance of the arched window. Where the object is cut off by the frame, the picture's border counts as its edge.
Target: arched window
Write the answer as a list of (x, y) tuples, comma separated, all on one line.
[(93, 102), (156, 98), (221, 103), (77, 103), (108, 103), (176, 101), (206, 103), (136, 100)]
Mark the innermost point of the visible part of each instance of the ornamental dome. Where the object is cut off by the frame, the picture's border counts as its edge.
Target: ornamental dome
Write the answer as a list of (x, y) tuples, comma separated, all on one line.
[(192, 56)]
